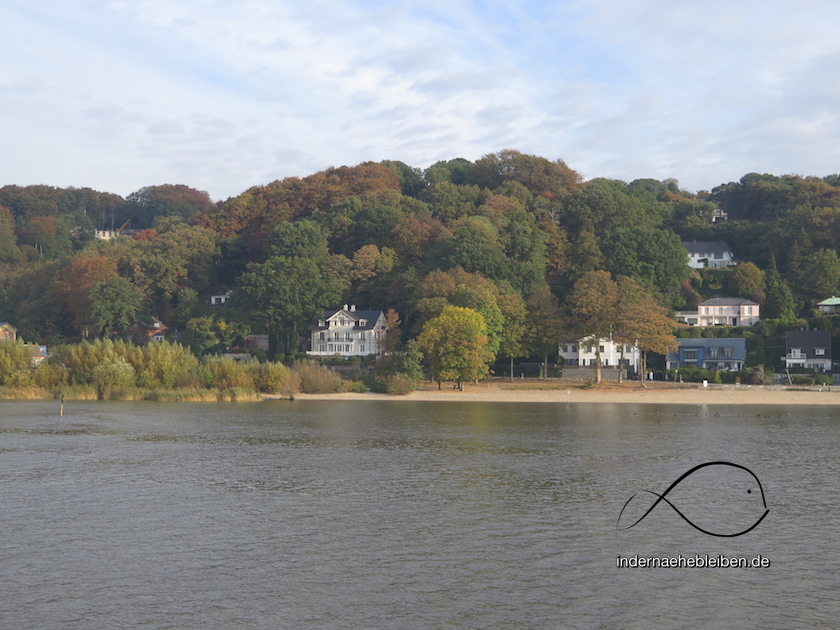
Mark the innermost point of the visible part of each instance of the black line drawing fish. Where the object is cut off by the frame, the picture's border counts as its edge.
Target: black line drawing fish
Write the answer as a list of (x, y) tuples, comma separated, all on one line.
[(660, 498)]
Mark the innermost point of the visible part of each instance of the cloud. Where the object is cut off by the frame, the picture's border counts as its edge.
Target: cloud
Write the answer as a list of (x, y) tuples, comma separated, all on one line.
[(221, 96)]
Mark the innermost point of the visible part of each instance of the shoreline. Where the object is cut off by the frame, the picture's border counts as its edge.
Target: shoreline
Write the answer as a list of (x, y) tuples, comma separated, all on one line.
[(559, 392)]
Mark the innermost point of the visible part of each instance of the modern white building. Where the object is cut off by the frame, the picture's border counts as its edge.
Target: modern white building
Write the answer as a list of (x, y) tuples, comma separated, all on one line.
[(582, 353), (709, 254), (348, 333)]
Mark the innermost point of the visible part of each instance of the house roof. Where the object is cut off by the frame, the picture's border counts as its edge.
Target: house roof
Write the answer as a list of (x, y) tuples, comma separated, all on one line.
[(728, 301), (706, 247), (832, 301), (808, 340), (370, 318), (7, 325)]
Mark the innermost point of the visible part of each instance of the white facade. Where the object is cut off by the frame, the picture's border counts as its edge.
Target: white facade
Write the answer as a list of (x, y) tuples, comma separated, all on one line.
[(711, 255), (728, 312), (582, 353), (348, 333)]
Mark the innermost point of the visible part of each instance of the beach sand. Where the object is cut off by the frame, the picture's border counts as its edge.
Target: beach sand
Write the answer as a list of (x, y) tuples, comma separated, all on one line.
[(559, 390)]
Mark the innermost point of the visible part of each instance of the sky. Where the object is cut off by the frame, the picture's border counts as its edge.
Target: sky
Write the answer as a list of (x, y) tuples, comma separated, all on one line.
[(222, 95)]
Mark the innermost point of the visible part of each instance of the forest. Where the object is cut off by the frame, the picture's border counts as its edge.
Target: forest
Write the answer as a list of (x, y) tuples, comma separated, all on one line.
[(521, 239)]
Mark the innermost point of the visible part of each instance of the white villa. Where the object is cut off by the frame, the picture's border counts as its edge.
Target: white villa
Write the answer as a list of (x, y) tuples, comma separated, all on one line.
[(712, 255), (582, 353), (347, 333), (728, 311)]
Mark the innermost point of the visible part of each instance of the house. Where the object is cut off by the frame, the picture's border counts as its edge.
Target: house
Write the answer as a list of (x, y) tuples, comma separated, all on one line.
[(831, 306), (218, 300), (149, 330), (709, 254), (728, 311), (708, 354), (347, 332), (809, 349), (689, 318), (582, 353), (7, 332)]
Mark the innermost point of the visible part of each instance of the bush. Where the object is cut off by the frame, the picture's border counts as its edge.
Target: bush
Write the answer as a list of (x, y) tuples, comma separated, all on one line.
[(823, 379), (275, 378), (316, 379), (49, 376), (354, 387), (228, 374), (399, 385), (116, 372)]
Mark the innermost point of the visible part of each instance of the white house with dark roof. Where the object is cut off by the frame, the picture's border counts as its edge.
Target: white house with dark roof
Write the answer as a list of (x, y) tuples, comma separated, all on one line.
[(347, 332), (727, 311), (709, 254), (809, 349)]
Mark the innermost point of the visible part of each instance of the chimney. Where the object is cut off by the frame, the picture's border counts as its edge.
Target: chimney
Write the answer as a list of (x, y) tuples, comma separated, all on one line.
[(352, 308), (345, 307)]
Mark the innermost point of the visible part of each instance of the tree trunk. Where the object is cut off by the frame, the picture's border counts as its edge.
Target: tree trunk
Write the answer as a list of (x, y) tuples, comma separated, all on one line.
[(621, 364), (597, 361), (545, 367), (511, 369), (644, 369)]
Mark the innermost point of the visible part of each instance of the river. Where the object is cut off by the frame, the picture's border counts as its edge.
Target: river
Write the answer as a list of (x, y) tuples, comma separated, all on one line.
[(397, 514)]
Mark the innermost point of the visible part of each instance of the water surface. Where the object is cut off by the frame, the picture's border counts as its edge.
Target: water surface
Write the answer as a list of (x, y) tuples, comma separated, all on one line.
[(398, 514)]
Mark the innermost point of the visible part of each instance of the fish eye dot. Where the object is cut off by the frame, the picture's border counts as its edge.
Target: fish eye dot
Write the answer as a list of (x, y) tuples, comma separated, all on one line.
[(749, 491)]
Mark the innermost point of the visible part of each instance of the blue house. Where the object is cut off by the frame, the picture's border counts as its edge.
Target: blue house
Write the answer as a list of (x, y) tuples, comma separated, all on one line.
[(709, 354)]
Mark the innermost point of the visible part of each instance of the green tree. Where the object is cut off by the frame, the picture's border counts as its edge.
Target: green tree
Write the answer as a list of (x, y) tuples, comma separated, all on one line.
[(282, 294), (593, 305), (779, 301), (455, 345), (114, 305), (748, 280), (545, 325)]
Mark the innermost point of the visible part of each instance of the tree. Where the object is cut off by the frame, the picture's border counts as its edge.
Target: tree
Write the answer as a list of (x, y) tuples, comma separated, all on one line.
[(642, 322), (748, 280), (593, 304), (114, 305), (779, 301), (282, 293), (545, 324), (515, 314), (455, 345)]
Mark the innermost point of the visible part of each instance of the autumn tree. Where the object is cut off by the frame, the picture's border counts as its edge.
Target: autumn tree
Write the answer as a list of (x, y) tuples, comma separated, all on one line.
[(748, 280), (642, 322), (455, 345), (593, 305)]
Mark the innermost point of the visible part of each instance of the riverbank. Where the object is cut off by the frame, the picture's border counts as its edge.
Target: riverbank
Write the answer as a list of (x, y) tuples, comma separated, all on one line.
[(560, 391)]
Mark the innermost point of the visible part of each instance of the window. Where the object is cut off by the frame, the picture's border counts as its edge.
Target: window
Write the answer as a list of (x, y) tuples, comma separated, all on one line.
[(690, 354), (336, 336), (600, 348), (362, 337), (574, 348), (348, 336), (362, 348), (320, 322), (718, 255), (713, 353), (819, 352), (322, 336), (362, 322), (322, 347), (727, 352)]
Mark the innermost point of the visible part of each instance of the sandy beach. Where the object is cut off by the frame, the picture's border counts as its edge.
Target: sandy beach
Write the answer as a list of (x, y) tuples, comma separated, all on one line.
[(657, 393)]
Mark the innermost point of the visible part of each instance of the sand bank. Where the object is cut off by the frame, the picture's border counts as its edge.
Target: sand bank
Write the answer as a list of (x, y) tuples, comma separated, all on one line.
[(612, 393)]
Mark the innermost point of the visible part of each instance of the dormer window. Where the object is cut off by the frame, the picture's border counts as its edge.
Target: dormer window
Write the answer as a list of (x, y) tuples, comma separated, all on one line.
[(320, 322), (820, 352), (362, 322)]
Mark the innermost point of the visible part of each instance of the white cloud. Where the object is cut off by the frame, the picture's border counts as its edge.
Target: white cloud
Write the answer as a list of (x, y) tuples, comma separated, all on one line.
[(117, 95)]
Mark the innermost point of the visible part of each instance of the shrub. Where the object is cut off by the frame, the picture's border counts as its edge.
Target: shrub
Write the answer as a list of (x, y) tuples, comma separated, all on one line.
[(275, 378), (49, 376), (399, 385), (316, 379), (355, 387), (115, 372), (229, 374), (823, 379)]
